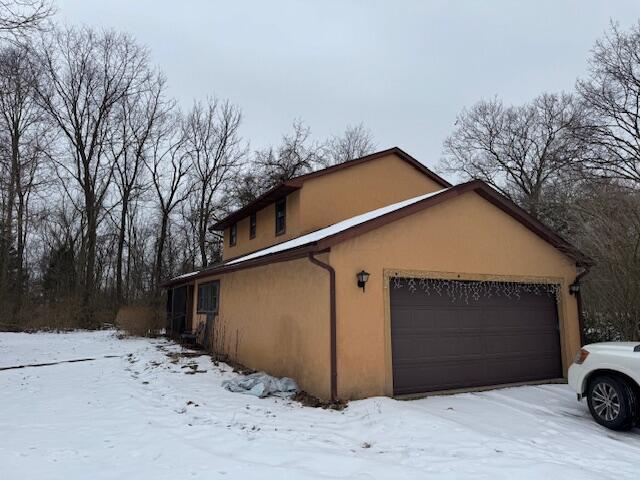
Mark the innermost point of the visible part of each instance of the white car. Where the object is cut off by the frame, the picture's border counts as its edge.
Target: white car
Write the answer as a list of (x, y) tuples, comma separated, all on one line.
[(608, 375)]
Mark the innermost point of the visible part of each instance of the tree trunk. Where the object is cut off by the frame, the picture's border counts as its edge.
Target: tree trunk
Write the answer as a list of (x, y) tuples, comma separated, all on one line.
[(21, 238), (90, 267), (160, 251), (202, 245), (7, 233), (120, 251), (202, 230)]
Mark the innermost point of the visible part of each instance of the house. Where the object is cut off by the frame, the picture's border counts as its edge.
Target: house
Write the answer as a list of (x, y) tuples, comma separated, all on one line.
[(378, 277)]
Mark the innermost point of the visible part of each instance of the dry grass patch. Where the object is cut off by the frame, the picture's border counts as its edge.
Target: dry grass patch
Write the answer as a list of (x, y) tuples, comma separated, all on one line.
[(140, 320)]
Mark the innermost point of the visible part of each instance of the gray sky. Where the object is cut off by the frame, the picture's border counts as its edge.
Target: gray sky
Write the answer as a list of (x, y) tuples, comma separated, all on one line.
[(404, 68)]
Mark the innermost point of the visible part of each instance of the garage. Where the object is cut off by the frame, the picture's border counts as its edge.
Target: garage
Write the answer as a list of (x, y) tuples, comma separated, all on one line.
[(451, 334), (455, 287)]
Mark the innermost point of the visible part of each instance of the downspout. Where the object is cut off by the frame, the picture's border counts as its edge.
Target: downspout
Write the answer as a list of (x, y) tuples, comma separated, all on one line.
[(578, 295), (332, 324)]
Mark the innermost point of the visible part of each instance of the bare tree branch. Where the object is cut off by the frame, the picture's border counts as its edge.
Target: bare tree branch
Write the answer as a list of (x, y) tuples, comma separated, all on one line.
[(611, 93), (521, 151)]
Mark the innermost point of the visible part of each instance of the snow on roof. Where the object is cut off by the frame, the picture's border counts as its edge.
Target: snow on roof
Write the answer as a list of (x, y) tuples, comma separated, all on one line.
[(185, 275), (332, 229)]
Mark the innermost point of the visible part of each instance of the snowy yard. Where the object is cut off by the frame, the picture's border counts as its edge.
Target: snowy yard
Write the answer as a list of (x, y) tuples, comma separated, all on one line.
[(141, 415)]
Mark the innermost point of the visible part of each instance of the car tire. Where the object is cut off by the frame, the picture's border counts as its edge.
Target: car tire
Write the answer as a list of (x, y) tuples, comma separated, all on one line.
[(612, 402)]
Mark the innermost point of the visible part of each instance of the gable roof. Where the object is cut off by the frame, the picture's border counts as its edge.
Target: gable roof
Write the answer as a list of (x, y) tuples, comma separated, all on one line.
[(322, 240), (295, 183)]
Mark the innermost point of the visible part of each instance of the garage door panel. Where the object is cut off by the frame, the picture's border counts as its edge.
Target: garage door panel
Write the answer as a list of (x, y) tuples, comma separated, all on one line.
[(533, 343), (439, 343), (441, 376), (428, 347), (432, 374), (414, 319)]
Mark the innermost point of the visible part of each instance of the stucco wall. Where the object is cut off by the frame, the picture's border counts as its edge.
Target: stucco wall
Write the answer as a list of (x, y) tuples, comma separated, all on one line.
[(276, 318), (330, 198), (466, 236), (265, 229)]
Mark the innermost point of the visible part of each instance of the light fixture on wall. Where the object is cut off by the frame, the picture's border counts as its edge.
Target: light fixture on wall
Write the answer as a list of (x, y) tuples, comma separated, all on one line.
[(363, 277), (574, 288)]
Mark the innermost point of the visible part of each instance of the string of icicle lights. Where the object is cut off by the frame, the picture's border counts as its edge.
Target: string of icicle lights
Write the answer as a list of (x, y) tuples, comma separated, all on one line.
[(473, 290)]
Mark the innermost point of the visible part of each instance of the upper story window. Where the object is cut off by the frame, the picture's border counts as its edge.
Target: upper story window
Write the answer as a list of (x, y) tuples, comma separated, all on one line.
[(281, 216), (252, 225), (233, 234), (208, 297)]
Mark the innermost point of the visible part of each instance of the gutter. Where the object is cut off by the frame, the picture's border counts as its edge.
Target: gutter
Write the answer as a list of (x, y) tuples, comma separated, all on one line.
[(578, 295), (283, 256), (332, 324)]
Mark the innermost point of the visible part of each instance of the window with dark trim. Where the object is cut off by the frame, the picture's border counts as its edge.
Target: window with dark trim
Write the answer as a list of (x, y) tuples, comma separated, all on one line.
[(208, 297), (233, 234), (252, 225), (281, 216)]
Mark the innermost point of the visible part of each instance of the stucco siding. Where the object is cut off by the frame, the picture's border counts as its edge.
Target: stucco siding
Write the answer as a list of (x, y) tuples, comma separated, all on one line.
[(330, 198), (265, 229), (343, 194), (276, 318), (465, 236)]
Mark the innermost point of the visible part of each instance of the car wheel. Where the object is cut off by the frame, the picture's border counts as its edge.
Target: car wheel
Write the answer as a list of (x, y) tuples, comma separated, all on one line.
[(612, 402)]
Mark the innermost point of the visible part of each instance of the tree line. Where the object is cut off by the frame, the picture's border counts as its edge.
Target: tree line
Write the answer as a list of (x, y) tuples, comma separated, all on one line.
[(572, 160), (108, 186)]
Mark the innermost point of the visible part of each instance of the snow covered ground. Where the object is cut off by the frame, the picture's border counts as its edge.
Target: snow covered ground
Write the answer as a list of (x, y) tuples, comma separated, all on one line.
[(146, 415)]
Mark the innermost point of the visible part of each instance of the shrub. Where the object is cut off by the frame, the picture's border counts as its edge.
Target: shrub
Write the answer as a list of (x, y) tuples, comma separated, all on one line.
[(140, 320)]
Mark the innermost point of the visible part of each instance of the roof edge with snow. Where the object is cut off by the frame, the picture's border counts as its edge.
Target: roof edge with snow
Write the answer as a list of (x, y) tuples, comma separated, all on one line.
[(322, 240)]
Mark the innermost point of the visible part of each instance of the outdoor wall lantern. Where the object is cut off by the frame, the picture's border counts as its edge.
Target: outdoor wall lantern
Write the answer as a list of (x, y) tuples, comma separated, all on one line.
[(574, 288), (362, 279)]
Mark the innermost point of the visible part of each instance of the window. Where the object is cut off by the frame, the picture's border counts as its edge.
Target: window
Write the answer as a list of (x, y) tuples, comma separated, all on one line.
[(252, 225), (281, 216), (208, 294), (233, 234)]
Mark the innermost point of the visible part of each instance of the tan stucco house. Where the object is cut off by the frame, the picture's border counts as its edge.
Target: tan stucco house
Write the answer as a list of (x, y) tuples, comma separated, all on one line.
[(464, 289)]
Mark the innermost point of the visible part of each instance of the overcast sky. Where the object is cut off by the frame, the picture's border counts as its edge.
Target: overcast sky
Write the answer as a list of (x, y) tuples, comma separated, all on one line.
[(403, 68)]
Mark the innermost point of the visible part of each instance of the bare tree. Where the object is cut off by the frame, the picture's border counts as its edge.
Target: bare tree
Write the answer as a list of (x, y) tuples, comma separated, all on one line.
[(23, 16), (521, 150), (168, 166), (61, 236), (355, 142), (87, 74), (186, 228), (246, 186), (215, 148), (23, 123), (609, 219), (297, 154), (137, 115), (611, 93)]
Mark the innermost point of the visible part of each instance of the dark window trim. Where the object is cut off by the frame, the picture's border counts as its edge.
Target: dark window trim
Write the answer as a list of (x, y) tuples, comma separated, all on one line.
[(233, 234), (253, 224), (283, 200), (217, 292)]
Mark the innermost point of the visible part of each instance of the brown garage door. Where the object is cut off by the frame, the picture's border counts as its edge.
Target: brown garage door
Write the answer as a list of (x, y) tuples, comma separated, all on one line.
[(455, 334)]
